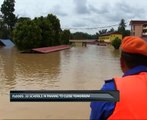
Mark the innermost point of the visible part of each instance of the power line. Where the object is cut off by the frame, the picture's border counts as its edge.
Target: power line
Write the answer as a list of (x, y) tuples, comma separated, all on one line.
[(75, 28), (90, 28)]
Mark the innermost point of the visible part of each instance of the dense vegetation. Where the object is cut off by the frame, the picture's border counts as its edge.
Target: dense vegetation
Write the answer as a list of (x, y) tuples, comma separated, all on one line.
[(29, 33), (39, 32), (65, 36), (122, 28), (7, 18), (81, 36)]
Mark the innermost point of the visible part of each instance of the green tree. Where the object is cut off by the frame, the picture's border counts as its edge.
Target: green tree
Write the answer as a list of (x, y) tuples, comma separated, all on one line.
[(55, 29), (111, 30), (46, 31), (27, 35), (23, 19), (121, 28), (39, 32), (81, 35), (116, 43), (4, 33), (8, 15), (65, 36), (127, 33), (103, 31)]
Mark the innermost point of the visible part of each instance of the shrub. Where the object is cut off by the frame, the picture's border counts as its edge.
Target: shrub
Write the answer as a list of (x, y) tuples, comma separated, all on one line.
[(116, 43)]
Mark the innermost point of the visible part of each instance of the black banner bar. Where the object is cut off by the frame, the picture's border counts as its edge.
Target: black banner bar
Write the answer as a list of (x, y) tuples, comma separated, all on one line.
[(64, 96)]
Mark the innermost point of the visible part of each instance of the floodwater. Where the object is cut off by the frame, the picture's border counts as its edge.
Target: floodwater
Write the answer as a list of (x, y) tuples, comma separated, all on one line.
[(78, 68)]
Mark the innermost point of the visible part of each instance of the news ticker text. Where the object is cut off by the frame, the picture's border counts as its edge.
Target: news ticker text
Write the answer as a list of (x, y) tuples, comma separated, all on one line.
[(64, 96)]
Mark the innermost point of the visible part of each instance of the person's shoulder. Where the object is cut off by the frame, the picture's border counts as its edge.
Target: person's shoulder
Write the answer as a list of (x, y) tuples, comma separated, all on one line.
[(109, 85)]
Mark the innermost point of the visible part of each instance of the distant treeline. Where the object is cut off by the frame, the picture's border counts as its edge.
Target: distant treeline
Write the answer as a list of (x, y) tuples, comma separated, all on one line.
[(81, 36)]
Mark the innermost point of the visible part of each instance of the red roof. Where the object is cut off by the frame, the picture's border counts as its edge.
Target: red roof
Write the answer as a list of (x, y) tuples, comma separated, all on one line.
[(51, 49)]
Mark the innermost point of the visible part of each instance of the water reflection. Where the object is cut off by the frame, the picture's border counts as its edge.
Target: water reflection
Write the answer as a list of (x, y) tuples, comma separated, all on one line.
[(90, 66), (7, 69), (115, 53), (40, 70), (28, 71)]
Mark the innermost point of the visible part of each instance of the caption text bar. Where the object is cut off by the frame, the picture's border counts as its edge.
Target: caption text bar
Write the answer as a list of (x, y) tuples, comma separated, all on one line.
[(64, 96)]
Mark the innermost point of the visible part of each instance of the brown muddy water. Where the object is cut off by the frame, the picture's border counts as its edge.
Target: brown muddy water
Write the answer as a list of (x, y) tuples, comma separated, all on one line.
[(78, 68)]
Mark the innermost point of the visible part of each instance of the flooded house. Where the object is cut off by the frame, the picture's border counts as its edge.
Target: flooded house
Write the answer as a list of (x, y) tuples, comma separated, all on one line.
[(6, 43)]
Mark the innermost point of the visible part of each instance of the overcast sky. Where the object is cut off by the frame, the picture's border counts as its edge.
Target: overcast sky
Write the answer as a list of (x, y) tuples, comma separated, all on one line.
[(84, 13)]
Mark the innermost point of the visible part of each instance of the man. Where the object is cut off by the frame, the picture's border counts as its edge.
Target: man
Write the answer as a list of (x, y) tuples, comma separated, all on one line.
[(132, 86)]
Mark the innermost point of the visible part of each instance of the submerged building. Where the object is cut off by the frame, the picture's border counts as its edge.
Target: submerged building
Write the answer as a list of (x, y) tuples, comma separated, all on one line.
[(6, 43), (108, 37)]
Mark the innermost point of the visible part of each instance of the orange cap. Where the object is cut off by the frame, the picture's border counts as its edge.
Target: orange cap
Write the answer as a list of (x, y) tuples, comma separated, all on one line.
[(136, 45)]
